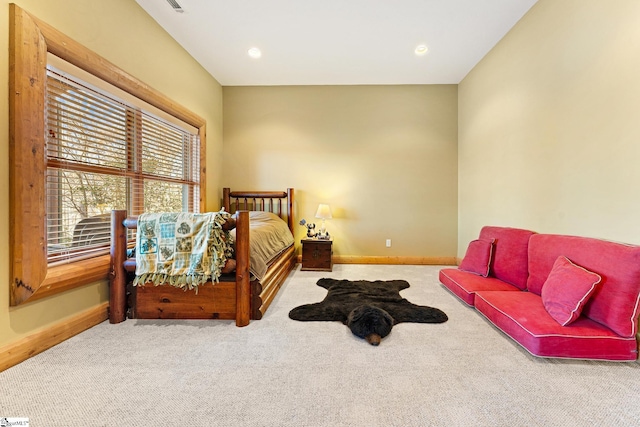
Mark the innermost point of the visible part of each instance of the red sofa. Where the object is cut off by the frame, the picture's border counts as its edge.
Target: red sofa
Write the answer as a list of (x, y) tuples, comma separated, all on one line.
[(557, 296)]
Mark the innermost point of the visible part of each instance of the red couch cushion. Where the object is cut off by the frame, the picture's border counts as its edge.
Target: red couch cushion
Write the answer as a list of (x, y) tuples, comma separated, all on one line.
[(615, 301), (522, 316), (477, 259), (510, 253), (567, 290), (464, 284)]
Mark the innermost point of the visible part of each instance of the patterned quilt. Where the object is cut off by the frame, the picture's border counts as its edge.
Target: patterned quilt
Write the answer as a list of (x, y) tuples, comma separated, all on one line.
[(180, 248)]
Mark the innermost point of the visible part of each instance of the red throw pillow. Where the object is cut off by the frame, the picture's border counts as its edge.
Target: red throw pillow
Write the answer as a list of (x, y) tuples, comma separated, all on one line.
[(477, 260), (567, 290)]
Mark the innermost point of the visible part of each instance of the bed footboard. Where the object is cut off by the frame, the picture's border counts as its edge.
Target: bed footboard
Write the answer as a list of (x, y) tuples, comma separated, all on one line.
[(243, 288), (118, 275), (229, 300)]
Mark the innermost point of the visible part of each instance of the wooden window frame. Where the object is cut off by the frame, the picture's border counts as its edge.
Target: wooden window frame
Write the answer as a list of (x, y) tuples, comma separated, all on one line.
[(29, 41)]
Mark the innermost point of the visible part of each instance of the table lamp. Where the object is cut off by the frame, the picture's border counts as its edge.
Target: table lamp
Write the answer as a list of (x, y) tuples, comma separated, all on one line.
[(324, 212)]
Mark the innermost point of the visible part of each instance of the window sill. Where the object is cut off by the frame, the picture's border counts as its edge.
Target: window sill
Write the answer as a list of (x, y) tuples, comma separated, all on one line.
[(62, 278)]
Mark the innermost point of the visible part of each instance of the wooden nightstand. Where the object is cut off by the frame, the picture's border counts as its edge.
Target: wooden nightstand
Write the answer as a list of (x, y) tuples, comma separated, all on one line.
[(316, 255)]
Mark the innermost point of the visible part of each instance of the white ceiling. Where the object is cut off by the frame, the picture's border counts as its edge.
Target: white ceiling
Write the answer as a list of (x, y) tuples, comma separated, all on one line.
[(338, 42)]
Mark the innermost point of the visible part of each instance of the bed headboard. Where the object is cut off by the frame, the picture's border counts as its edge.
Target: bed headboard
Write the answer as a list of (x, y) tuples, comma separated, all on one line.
[(277, 202)]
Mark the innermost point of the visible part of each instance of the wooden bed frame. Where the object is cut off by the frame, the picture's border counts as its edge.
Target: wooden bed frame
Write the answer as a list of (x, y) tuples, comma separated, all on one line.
[(235, 296)]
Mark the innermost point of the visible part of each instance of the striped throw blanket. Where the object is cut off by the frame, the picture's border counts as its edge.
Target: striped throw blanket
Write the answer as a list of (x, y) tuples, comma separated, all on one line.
[(180, 248)]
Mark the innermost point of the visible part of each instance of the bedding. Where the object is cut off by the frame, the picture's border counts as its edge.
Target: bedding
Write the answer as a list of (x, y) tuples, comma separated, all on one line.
[(269, 237), (181, 249)]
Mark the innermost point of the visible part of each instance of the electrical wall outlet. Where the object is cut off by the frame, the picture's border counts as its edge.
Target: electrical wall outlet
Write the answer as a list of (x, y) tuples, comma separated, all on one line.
[(388, 243)]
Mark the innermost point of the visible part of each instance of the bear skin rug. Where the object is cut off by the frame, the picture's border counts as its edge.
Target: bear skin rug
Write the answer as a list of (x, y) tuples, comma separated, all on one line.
[(369, 309)]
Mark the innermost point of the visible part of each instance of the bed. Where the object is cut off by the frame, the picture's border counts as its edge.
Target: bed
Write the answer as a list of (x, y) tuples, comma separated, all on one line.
[(241, 296)]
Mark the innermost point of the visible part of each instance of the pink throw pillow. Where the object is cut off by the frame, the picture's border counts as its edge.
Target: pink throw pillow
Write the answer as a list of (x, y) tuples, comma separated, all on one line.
[(477, 260), (567, 290)]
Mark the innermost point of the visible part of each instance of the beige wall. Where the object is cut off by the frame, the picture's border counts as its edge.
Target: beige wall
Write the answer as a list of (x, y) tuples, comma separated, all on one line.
[(123, 33), (549, 125), (383, 157)]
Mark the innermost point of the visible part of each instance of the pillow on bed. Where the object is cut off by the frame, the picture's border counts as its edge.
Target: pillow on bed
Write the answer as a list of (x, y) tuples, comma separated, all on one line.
[(477, 260), (567, 290)]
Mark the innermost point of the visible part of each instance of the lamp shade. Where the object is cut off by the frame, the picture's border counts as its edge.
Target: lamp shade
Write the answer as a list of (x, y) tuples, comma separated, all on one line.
[(324, 211)]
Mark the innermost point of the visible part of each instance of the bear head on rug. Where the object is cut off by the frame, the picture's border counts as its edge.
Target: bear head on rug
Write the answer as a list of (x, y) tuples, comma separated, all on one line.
[(369, 322)]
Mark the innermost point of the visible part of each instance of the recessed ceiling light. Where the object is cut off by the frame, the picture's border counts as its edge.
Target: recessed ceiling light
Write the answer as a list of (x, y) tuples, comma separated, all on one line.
[(421, 49), (254, 52)]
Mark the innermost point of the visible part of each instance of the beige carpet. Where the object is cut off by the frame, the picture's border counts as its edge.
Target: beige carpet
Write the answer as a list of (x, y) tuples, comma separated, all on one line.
[(280, 372)]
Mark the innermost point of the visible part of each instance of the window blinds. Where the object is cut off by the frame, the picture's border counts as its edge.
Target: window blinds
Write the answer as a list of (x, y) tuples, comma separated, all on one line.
[(102, 154)]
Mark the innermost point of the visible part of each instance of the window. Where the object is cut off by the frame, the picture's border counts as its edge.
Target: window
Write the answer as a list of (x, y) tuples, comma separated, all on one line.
[(90, 154), (103, 153)]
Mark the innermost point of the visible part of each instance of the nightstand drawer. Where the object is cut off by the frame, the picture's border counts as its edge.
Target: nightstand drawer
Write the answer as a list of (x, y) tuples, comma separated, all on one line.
[(316, 255)]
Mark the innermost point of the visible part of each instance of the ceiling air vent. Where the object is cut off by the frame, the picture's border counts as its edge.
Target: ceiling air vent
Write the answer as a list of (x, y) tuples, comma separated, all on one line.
[(174, 4)]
